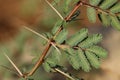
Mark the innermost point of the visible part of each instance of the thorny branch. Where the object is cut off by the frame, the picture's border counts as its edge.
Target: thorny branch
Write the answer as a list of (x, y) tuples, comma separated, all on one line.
[(41, 59), (50, 41)]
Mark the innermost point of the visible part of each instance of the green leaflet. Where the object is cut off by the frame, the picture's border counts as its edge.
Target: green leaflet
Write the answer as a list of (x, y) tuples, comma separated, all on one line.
[(83, 61), (107, 3), (70, 51), (66, 7), (52, 62), (77, 37), (61, 37), (73, 60), (105, 19), (46, 67), (116, 8), (57, 26), (91, 14), (91, 40), (93, 59), (49, 63), (99, 51), (56, 55), (115, 22), (94, 2)]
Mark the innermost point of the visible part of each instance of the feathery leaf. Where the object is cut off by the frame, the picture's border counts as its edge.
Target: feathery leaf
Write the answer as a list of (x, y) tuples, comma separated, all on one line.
[(99, 51), (115, 22), (56, 55), (105, 19), (93, 59), (94, 2), (116, 8), (83, 61), (69, 51), (107, 3), (52, 62), (91, 14), (66, 7), (61, 37), (73, 60), (77, 37), (91, 40), (46, 67), (57, 26)]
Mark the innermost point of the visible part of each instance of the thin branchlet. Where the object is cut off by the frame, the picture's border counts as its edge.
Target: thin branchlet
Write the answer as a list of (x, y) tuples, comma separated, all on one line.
[(98, 9)]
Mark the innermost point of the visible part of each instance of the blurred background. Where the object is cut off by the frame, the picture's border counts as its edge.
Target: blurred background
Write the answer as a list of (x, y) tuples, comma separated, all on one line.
[(23, 46)]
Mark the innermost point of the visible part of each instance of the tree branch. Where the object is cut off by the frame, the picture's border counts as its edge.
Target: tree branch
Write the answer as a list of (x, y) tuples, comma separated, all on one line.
[(41, 59)]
